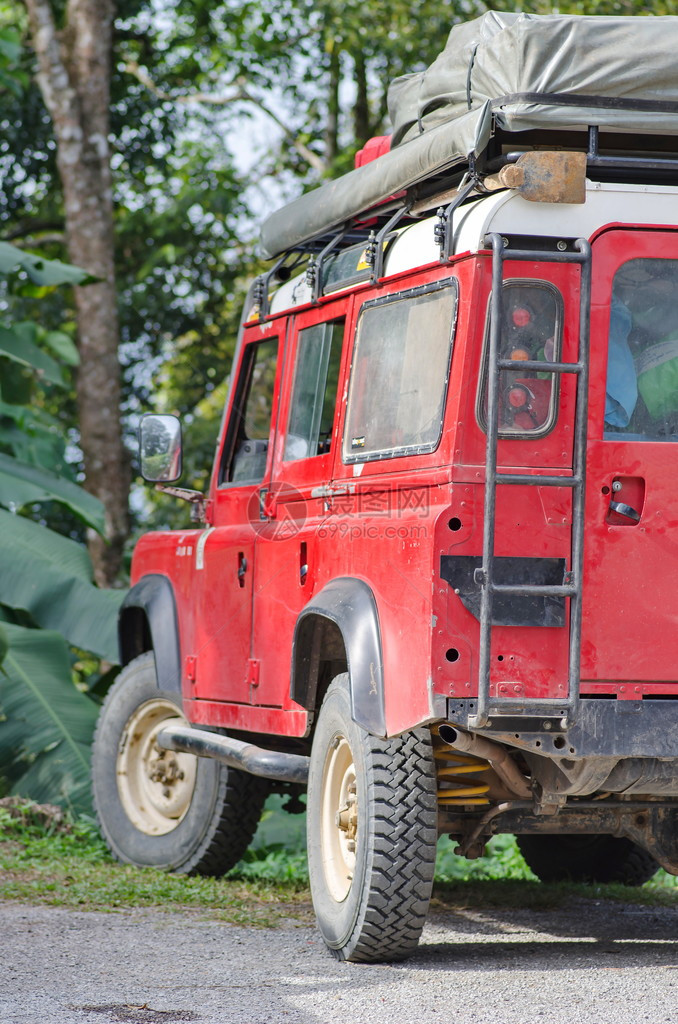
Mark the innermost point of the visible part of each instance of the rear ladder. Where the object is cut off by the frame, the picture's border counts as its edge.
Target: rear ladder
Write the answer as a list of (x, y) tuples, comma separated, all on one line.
[(488, 708)]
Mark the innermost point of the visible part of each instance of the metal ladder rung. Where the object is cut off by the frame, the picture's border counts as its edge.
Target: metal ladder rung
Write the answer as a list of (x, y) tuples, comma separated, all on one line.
[(557, 703), (546, 256), (534, 480), (535, 589), (499, 706), (517, 365)]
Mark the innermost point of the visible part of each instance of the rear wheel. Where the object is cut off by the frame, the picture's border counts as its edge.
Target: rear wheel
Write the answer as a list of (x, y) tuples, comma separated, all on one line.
[(587, 858), (372, 834), (159, 808)]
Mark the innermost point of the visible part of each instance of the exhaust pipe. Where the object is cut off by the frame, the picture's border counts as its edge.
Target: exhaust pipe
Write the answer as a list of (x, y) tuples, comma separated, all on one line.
[(498, 756), (269, 764)]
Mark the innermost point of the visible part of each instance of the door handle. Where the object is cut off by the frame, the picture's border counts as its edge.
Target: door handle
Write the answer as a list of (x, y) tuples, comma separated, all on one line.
[(627, 500), (242, 569), (625, 510)]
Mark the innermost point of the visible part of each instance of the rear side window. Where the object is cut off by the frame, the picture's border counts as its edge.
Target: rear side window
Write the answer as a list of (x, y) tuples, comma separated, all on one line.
[(641, 400), (531, 329), (399, 375)]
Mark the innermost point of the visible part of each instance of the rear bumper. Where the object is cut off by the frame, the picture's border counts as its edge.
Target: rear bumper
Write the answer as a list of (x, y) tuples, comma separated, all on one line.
[(603, 728)]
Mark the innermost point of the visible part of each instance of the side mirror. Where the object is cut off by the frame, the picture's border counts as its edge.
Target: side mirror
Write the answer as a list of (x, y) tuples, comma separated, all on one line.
[(160, 448)]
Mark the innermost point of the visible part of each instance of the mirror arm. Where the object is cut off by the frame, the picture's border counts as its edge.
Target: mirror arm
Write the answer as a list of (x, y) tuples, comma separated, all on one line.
[(196, 498)]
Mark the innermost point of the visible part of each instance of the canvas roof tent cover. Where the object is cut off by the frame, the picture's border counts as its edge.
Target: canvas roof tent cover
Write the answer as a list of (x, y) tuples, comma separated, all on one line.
[(513, 71)]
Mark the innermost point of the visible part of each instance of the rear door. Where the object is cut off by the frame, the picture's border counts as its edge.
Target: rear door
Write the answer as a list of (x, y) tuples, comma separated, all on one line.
[(630, 603)]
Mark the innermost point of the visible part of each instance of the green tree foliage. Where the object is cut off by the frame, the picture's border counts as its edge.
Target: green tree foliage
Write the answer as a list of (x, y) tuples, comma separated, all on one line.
[(48, 603), (178, 209), (313, 76)]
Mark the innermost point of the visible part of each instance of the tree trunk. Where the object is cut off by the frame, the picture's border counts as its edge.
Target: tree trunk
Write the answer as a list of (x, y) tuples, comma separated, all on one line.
[(74, 77), (332, 127), (361, 112), (381, 111)]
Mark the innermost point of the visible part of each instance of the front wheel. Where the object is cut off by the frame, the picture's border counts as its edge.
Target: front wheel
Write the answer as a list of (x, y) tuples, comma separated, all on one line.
[(372, 834), (159, 808)]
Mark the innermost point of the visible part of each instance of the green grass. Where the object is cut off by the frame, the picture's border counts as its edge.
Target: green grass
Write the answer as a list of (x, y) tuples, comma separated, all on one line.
[(67, 864)]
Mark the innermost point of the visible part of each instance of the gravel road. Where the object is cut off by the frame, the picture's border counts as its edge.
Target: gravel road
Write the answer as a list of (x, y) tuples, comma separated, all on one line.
[(595, 962)]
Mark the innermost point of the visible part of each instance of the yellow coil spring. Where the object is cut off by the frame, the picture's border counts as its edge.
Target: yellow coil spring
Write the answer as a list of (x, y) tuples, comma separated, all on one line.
[(454, 788)]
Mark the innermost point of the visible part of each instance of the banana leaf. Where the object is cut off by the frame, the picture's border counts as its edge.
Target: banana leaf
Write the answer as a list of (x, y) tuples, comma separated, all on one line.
[(40, 270), (10, 45), (21, 484), (46, 724), (49, 576), (34, 437), (17, 346), (63, 346)]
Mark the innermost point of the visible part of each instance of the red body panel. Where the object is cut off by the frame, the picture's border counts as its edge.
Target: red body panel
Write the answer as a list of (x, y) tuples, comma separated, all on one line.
[(241, 584), (629, 630)]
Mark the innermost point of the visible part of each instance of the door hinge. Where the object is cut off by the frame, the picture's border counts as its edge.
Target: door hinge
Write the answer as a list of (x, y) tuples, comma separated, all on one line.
[(267, 504), (252, 677)]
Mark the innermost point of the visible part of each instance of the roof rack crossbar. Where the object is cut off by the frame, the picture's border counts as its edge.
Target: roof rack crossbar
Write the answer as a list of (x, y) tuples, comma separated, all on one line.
[(261, 285), (314, 273), (443, 230), (375, 250), (628, 162)]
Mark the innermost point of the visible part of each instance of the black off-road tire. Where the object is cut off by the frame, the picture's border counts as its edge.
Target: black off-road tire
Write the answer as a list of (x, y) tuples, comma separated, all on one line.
[(587, 858), (370, 903), (202, 828)]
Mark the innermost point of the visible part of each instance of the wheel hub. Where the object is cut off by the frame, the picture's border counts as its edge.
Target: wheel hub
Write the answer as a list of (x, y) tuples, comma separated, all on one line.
[(155, 785), (164, 769), (346, 818), (339, 824)]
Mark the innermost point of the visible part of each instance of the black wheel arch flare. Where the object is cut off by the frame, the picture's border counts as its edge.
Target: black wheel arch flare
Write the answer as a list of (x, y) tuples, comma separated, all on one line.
[(148, 621), (350, 604)]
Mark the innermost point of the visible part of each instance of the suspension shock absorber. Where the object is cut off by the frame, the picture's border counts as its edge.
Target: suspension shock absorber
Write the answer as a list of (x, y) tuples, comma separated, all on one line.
[(455, 788)]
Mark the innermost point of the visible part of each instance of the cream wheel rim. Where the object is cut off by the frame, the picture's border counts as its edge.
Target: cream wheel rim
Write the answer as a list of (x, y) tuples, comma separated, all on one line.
[(339, 818), (155, 786)]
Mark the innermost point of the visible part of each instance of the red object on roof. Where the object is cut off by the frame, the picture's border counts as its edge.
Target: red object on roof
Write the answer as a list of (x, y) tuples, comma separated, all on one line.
[(373, 148)]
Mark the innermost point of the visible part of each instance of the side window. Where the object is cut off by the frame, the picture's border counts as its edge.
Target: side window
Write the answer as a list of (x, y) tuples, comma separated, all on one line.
[(532, 329), (314, 392), (246, 449), (399, 375), (641, 399)]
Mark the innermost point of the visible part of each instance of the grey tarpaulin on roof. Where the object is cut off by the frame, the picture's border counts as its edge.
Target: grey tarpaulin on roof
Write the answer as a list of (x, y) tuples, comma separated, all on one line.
[(503, 55), (529, 71), (340, 200)]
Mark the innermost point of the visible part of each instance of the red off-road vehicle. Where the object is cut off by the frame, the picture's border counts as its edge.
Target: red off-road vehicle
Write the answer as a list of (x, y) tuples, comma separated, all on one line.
[(434, 577)]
